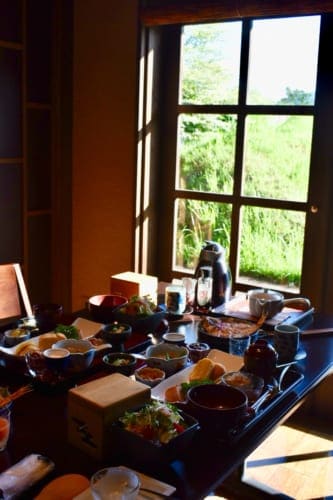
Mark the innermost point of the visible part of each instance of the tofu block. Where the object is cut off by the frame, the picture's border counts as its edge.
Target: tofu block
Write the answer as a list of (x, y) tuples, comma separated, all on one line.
[(130, 283), (92, 407)]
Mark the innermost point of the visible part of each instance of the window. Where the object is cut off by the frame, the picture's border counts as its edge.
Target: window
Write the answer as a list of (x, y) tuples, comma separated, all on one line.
[(242, 121)]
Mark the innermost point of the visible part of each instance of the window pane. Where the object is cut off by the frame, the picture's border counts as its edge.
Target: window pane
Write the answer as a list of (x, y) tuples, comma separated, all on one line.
[(283, 61), (271, 247), (195, 222), (206, 153), (277, 157), (210, 63)]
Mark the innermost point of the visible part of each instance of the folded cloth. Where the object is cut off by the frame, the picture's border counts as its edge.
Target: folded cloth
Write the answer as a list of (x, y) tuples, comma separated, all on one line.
[(24, 474)]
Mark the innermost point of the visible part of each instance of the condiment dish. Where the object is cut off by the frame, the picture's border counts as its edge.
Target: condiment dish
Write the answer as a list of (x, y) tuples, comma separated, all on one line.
[(167, 357), (16, 336), (116, 334), (149, 376), (249, 383), (176, 338), (120, 362)]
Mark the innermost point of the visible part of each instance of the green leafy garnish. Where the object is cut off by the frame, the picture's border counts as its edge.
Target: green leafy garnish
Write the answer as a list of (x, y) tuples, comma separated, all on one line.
[(71, 331), (186, 386)]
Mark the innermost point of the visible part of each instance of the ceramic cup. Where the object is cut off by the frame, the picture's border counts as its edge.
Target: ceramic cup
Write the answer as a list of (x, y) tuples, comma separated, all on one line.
[(286, 342)]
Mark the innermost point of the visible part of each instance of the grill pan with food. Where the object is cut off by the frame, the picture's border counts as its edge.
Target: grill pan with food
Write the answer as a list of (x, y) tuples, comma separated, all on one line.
[(215, 331)]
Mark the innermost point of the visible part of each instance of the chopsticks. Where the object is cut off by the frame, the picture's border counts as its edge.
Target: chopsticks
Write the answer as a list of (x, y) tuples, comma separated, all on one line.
[(316, 330), (17, 394)]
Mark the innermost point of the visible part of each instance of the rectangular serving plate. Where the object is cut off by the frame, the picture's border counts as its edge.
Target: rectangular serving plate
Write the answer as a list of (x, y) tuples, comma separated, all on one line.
[(230, 362), (86, 328)]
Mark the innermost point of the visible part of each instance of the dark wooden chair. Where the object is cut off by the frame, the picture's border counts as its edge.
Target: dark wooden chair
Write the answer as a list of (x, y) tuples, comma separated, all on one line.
[(14, 299)]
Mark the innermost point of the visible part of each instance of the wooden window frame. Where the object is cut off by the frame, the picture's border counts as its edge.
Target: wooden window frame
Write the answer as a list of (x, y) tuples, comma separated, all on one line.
[(314, 284)]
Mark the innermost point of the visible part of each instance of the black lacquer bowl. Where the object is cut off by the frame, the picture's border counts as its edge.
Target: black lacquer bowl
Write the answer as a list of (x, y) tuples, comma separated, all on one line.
[(138, 450)]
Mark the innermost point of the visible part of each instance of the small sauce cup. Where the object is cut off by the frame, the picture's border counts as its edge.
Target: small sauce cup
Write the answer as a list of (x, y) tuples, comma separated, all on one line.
[(177, 338), (57, 358), (197, 351), (4, 427)]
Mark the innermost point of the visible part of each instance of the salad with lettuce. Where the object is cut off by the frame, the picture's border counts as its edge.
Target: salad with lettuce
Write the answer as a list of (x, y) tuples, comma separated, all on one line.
[(139, 306), (157, 422)]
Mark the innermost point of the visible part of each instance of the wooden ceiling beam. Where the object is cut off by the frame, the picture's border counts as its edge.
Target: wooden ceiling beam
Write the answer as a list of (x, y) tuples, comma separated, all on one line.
[(159, 12)]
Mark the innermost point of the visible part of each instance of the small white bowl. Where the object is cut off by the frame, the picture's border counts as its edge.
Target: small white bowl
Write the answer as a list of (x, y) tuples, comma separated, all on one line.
[(167, 357), (177, 338), (82, 353)]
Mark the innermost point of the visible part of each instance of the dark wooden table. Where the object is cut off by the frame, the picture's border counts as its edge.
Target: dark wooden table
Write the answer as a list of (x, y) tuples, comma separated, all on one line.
[(39, 425)]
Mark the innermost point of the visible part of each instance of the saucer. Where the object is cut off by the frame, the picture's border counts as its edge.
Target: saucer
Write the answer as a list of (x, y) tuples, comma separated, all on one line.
[(301, 354)]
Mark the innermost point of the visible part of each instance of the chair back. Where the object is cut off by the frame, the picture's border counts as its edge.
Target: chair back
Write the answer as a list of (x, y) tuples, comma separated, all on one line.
[(13, 293)]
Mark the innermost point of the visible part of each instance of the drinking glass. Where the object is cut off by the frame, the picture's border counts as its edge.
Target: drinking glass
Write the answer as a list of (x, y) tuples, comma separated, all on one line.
[(115, 483), (238, 343), (47, 316), (189, 284), (4, 427)]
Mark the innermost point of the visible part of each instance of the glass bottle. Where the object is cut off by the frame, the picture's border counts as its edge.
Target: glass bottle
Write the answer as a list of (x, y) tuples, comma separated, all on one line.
[(205, 287)]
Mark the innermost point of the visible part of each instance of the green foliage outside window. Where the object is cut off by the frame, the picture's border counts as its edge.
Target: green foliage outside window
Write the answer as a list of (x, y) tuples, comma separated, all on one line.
[(276, 165)]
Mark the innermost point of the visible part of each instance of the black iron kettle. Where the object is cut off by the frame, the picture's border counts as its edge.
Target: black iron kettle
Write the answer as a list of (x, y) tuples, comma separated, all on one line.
[(212, 256)]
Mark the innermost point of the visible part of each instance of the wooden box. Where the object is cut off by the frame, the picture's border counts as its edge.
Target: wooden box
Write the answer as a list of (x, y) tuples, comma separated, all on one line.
[(92, 407), (129, 284)]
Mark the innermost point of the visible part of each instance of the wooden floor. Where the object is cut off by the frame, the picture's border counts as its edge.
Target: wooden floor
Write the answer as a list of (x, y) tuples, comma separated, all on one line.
[(292, 462)]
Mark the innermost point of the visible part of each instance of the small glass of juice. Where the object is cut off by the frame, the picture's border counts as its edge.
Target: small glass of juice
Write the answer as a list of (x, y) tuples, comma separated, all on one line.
[(4, 427)]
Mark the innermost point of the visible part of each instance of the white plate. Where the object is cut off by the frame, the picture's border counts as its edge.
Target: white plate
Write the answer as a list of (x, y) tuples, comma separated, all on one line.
[(231, 363), (87, 329)]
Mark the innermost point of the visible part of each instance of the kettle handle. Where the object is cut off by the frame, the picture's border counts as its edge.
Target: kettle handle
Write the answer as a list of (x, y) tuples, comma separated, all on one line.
[(298, 302)]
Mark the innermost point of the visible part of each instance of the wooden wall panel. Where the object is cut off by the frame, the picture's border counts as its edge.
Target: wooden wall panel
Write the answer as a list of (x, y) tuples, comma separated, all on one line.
[(10, 103), (39, 50), (104, 143), (39, 260), (11, 20), (10, 213), (39, 171)]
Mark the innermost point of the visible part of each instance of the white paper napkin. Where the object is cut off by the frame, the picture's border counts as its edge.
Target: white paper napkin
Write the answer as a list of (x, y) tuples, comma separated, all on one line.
[(87, 328)]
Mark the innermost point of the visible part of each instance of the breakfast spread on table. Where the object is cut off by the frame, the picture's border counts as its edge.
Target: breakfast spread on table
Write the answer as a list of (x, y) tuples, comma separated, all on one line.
[(142, 404)]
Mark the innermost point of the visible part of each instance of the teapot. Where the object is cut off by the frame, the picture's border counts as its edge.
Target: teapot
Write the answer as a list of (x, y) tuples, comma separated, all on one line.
[(260, 358), (269, 302)]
